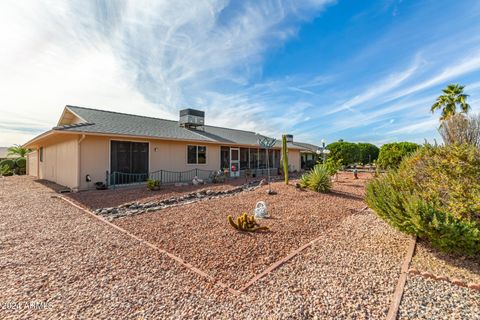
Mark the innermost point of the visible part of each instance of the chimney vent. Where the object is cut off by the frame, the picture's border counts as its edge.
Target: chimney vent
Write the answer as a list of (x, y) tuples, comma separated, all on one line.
[(289, 137), (191, 118)]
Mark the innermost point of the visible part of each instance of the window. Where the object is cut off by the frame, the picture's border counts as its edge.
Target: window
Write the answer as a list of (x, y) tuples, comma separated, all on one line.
[(196, 154), (129, 157), (41, 154)]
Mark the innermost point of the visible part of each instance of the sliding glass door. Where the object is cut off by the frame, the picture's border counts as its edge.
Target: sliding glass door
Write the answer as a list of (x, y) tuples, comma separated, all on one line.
[(129, 157)]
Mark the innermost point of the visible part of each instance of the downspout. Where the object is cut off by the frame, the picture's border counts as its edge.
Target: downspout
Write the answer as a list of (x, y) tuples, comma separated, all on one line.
[(79, 162)]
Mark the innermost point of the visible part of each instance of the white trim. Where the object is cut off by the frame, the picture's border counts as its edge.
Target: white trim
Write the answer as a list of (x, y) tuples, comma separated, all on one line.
[(196, 164)]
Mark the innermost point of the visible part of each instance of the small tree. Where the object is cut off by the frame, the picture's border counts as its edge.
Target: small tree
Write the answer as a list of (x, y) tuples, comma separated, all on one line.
[(391, 154), (347, 152), (18, 150), (452, 97), (461, 129), (368, 152)]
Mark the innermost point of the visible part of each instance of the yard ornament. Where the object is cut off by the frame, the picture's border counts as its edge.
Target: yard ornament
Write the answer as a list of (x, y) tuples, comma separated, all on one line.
[(196, 181), (261, 210)]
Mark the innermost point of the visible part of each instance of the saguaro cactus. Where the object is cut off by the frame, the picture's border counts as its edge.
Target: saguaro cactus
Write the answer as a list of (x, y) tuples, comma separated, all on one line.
[(285, 157)]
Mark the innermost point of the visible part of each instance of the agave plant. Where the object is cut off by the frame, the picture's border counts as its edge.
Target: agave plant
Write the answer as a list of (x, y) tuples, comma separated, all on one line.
[(318, 179)]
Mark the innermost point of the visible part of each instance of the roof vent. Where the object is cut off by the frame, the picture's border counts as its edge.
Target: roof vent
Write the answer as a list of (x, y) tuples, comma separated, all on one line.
[(191, 118), (289, 137)]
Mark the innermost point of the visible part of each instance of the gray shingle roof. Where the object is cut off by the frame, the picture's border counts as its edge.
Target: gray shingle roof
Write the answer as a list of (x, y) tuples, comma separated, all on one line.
[(308, 146), (108, 122)]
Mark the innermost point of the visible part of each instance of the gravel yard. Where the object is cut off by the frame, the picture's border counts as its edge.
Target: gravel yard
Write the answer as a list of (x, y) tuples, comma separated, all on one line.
[(446, 264), (69, 264), (425, 298), (94, 199), (200, 234), (53, 253)]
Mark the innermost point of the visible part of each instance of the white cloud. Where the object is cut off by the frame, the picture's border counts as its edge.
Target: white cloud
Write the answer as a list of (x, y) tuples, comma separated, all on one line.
[(379, 88), (143, 57), (419, 127)]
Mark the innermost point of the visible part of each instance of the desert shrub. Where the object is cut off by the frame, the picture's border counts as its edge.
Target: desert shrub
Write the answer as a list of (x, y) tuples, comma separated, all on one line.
[(318, 179), (333, 166), (391, 154), (461, 129), (5, 170), (347, 152), (367, 152), (435, 194), (20, 166), (303, 182), (21, 163), (8, 162), (153, 184)]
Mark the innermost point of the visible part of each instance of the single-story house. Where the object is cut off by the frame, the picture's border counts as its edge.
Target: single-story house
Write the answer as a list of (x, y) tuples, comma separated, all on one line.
[(88, 144)]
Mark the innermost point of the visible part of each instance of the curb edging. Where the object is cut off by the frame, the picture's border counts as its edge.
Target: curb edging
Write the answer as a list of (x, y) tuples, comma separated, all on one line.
[(397, 295), (148, 244), (454, 281)]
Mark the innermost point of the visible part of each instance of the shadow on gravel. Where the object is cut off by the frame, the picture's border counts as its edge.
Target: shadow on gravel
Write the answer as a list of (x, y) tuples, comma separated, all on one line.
[(469, 263), (346, 195)]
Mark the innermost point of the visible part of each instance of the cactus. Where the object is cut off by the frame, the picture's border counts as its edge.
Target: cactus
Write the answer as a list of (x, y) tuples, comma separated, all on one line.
[(285, 157), (245, 223)]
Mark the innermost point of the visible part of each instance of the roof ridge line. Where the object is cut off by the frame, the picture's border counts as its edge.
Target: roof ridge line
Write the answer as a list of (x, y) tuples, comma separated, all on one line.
[(156, 118)]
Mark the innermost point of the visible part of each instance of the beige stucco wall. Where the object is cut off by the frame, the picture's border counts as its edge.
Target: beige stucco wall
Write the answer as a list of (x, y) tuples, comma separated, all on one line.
[(163, 155), (62, 153), (60, 162), (294, 159), (32, 163)]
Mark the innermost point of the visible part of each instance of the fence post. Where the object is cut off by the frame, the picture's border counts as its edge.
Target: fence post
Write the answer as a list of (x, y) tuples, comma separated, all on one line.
[(180, 177), (196, 172)]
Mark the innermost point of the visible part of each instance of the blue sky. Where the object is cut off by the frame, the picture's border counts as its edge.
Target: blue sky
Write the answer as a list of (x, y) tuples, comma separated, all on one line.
[(319, 69)]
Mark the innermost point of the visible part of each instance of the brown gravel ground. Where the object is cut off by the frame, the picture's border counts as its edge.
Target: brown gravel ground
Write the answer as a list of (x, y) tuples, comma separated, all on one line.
[(200, 234), (94, 199), (52, 252), (439, 263), (350, 274)]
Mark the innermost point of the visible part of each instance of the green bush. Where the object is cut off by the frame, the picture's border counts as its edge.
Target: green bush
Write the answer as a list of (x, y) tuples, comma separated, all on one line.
[(153, 184), (8, 162), (5, 170), (435, 194), (333, 166), (391, 154), (21, 163), (20, 166), (347, 152), (318, 179), (367, 152)]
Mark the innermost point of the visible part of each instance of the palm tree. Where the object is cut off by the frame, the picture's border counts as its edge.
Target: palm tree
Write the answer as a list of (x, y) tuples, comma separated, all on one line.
[(18, 150), (452, 96)]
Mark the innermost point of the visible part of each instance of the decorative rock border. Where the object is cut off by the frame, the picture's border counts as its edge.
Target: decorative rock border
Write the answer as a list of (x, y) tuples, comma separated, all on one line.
[(455, 281), (152, 246), (398, 294), (134, 208)]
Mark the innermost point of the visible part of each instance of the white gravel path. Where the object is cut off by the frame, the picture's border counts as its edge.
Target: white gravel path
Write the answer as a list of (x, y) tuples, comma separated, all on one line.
[(425, 298)]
